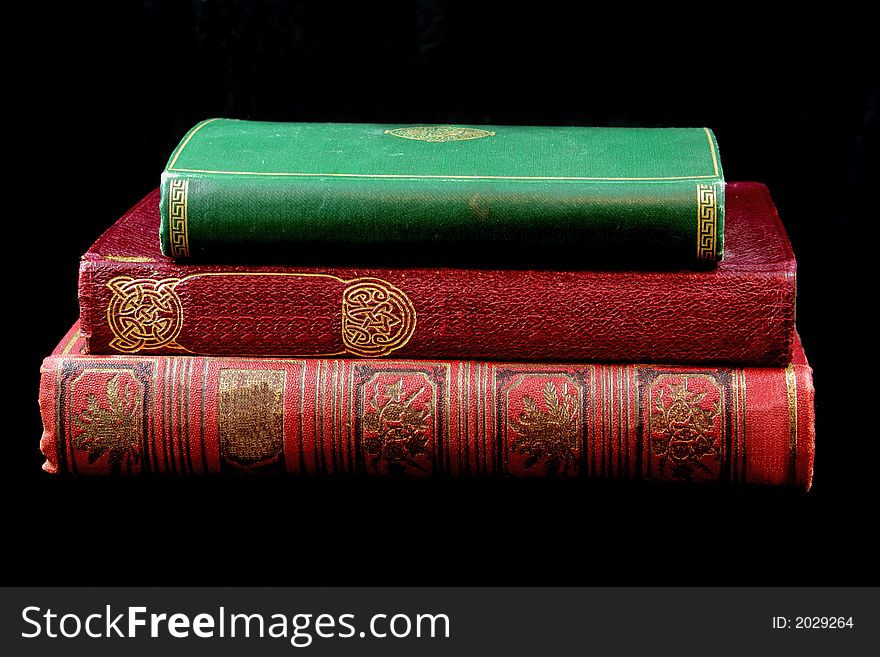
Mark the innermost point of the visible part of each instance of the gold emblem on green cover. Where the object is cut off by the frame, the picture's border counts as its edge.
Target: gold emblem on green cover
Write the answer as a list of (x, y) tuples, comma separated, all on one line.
[(439, 133), (707, 222), (377, 318), (144, 313)]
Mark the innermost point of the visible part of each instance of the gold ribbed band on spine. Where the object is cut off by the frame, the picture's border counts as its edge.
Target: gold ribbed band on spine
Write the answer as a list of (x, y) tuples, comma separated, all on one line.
[(178, 191), (707, 222), (791, 390)]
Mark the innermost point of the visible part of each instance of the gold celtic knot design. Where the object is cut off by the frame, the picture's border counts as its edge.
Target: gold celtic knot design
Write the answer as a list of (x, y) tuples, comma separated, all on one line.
[(144, 313), (439, 133), (377, 318), (683, 428)]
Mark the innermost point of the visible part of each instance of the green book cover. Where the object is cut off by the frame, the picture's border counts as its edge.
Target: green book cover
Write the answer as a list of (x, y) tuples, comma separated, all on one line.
[(625, 195)]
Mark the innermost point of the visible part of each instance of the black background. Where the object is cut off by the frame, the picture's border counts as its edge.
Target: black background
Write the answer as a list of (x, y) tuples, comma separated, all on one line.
[(96, 95)]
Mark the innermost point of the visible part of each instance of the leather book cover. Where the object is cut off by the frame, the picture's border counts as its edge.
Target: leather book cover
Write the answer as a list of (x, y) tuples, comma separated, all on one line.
[(187, 415), (135, 300), (248, 190)]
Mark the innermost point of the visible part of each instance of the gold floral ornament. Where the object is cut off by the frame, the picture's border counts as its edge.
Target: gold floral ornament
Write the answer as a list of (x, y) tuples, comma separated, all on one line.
[(683, 432), (115, 429), (395, 431), (440, 133), (550, 437), (144, 313), (377, 318)]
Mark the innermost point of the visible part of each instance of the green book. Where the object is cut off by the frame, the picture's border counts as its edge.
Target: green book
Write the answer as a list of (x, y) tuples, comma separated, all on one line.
[(248, 189)]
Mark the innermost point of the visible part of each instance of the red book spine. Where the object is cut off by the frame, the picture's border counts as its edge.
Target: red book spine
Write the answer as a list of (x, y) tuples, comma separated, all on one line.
[(196, 415), (134, 300)]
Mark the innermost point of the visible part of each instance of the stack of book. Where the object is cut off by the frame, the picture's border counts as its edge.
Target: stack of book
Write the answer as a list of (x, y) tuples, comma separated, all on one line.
[(438, 301)]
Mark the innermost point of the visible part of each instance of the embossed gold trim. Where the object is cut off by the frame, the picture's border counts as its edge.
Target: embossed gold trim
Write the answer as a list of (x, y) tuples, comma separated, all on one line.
[(432, 176), (150, 288), (186, 141), (791, 394), (266, 273), (707, 222), (69, 344), (712, 150), (178, 193), (118, 258)]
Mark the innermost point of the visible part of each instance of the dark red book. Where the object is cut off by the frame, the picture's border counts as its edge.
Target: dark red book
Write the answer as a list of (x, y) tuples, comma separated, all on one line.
[(135, 300), (195, 415)]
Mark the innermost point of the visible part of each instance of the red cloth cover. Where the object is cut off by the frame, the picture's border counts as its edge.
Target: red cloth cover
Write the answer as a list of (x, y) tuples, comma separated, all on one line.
[(192, 415)]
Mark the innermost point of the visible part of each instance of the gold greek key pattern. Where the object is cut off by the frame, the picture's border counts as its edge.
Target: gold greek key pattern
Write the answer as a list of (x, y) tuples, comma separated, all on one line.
[(707, 222), (439, 133), (144, 314), (377, 318), (178, 191)]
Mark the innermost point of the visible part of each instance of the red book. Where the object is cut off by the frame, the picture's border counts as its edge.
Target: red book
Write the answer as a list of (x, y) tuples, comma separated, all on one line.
[(135, 300), (194, 415)]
